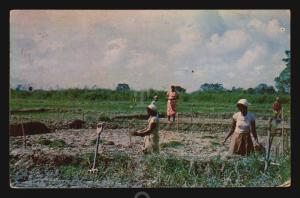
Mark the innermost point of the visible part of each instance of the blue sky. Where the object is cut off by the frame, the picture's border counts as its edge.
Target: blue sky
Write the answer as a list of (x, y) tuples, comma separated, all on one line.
[(147, 48)]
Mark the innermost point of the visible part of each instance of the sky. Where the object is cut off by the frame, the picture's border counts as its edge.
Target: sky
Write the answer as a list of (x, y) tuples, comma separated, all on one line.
[(147, 48)]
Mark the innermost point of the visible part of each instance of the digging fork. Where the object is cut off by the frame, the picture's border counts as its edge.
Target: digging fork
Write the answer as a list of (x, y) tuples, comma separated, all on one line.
[(100, 128)]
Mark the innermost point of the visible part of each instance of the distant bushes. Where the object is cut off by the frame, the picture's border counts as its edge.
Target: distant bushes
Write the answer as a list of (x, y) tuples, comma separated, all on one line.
[(233, 97), (88, 94), (136, 96)]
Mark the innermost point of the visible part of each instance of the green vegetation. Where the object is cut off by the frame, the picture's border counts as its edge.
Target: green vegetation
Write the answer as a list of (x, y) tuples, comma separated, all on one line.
[(87, 95), (106, 105), (171, 171), (102, 141), (117, 167), (283, 81), (172, 144), (54, 144), (214, 143), (244, 172)]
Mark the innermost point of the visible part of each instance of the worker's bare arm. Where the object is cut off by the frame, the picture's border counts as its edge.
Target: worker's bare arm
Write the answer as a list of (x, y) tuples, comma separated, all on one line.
[(148, 131), (253, 131), (142, 130), (233, 124)]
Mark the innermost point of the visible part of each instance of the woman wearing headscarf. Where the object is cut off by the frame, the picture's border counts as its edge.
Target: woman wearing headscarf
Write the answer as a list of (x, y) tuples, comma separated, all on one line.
[(172, 96), (153, 102), (151, 132), (243, 123)]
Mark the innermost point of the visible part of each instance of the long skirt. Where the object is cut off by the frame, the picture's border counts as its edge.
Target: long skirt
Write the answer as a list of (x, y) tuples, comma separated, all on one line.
[(171, 107), (151, 144), (241, 143)]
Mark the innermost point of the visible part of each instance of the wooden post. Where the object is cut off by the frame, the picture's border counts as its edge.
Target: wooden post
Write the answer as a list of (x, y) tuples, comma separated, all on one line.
[(191, 114), (62, 115), (269, 145), (268, 151), (286, 140), (282, 131), (58, 113), (129, 135), (177, 121), (24, 136)]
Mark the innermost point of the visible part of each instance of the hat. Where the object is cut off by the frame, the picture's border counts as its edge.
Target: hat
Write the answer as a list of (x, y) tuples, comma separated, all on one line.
[(152, 107), (243, 102)]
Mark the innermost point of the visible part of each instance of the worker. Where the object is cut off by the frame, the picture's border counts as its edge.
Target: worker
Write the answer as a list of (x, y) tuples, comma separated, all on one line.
[(151, 132), (172, 96), (243, 123), (277, 109)]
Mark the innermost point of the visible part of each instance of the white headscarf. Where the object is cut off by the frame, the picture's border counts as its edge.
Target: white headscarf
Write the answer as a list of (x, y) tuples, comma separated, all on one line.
[(152, 107), (243, 102)]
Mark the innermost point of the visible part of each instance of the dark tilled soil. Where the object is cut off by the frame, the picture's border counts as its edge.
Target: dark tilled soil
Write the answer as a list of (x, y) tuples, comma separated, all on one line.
[(29, 128)]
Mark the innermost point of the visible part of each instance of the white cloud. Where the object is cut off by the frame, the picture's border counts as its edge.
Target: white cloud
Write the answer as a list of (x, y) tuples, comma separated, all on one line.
[(231, 40), (272, 29), (114, 52), (148, 48), (190, 38), (252, 56)]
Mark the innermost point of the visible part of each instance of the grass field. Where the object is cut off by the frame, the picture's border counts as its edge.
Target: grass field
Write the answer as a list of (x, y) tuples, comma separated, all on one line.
[(73, 109)]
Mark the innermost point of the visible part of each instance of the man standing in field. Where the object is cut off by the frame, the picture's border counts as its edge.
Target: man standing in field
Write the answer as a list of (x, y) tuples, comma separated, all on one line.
[(172, 96), (273, 121), (277, 109), (151, 132)]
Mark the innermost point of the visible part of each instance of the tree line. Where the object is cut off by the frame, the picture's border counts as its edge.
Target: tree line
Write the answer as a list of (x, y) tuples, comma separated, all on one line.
[(282, 84)]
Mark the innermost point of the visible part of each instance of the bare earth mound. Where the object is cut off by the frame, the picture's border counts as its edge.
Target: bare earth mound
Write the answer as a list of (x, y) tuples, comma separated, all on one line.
[(30, 128)]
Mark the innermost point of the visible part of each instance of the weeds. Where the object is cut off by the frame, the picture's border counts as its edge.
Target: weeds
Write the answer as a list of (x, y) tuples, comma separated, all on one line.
[(53, 144), (171, 171), (104, 118), (117, 167), (215, 143), (209, 136), (248, 171), (172, 144), (102, 141)]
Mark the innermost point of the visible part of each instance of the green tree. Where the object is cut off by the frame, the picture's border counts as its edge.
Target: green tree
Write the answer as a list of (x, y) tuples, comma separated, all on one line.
[(250, 90), (180, 89), (212, 87), (283, 81), (239, 89), (122, 87), (264, 88)]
